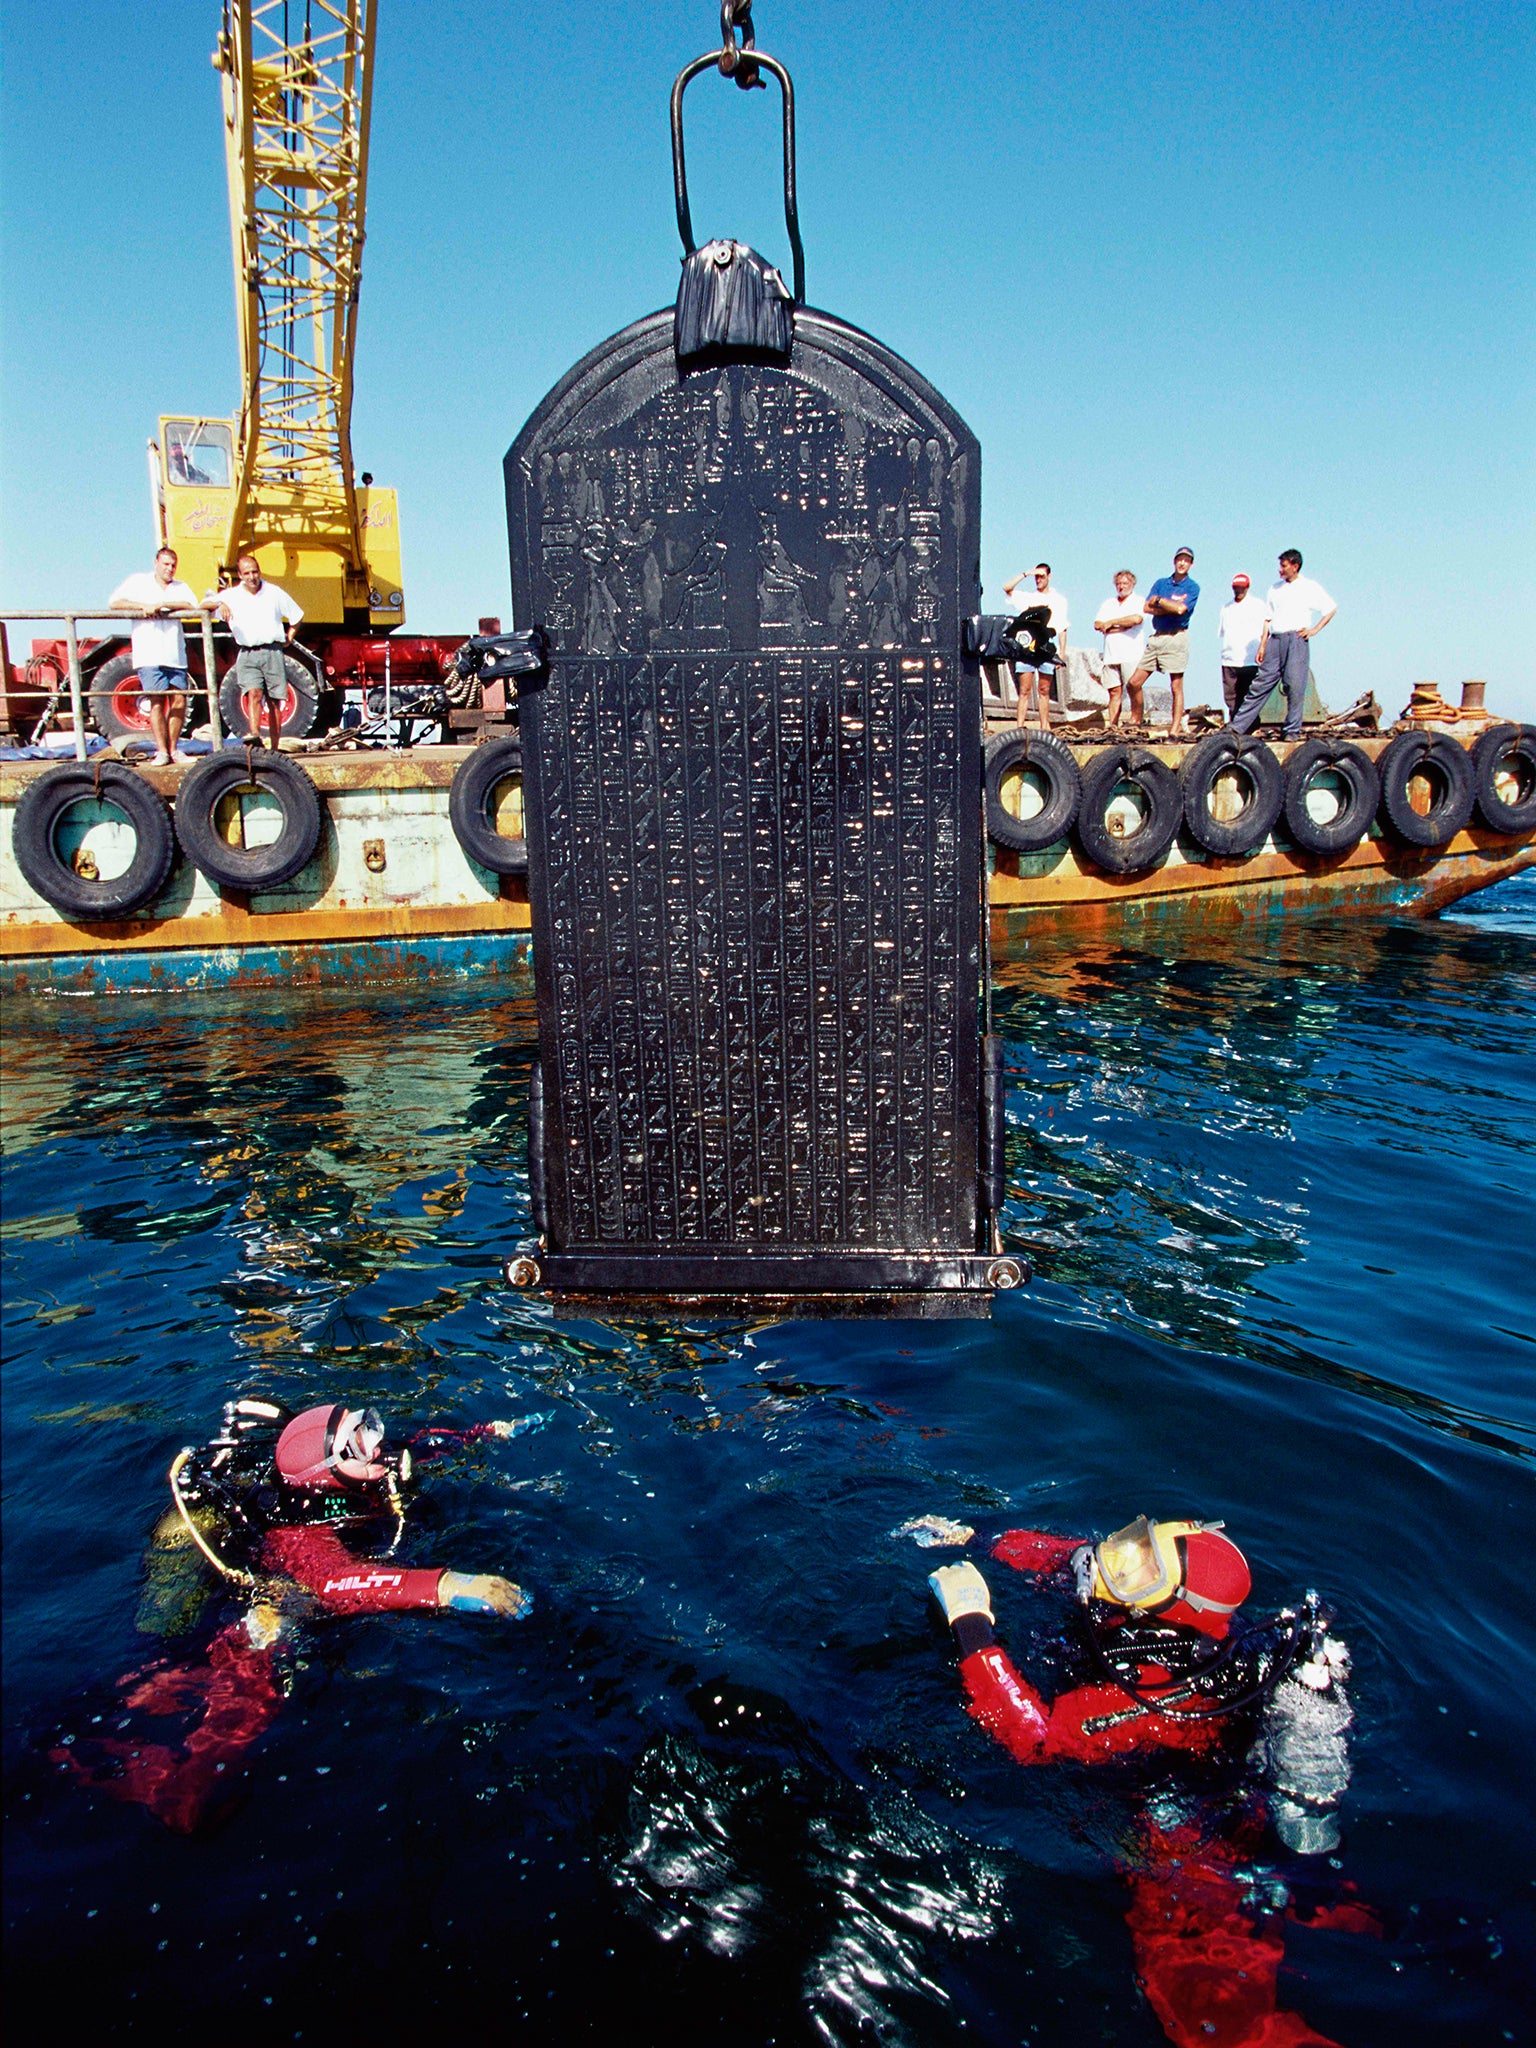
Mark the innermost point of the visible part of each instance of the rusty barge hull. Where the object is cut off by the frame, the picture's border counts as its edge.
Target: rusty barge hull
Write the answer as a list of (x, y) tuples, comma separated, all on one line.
[(392, 897), (1193, 892), (1059, 894)]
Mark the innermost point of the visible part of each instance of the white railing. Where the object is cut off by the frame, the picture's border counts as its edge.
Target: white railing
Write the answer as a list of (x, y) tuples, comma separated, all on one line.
[(39, 615)]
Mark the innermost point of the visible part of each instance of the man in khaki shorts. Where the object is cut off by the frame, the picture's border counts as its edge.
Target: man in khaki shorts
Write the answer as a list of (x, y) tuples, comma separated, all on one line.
[(1121, 620), (262, 618), (1170, 606)]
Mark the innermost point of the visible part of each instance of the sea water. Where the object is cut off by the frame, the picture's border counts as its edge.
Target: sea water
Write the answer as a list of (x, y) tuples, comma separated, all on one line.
[(1277, 1189)]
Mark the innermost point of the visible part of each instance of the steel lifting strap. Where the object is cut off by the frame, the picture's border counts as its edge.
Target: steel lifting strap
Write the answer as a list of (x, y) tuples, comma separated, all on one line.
[(733, 61)]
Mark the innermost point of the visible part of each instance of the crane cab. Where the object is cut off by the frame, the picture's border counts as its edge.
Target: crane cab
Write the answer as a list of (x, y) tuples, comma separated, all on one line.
[(192, 479), (192, 483)]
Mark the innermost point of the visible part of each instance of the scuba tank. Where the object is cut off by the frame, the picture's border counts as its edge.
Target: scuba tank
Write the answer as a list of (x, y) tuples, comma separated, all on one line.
[(210, 1518), (1303, 1744), (176, 1585), (1289, 1667)]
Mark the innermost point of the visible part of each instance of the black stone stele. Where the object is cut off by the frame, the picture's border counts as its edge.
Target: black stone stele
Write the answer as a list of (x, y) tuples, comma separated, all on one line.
[(752, 785)]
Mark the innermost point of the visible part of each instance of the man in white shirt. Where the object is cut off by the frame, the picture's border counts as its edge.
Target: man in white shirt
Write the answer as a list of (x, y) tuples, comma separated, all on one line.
[(1122, 621), (262, 618), (1051, 600), (1298, 611), (159, 647), (1241, 629)]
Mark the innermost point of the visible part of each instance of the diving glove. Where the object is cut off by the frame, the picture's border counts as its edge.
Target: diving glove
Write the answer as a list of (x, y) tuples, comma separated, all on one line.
[(483, 1593), (960, 1590), (263, 1625), (935, 1532), (520, 1426)]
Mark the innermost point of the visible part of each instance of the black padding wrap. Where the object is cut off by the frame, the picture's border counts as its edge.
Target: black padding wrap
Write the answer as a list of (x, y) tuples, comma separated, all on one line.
[(973, 1632), (493, 656), (732, 304)]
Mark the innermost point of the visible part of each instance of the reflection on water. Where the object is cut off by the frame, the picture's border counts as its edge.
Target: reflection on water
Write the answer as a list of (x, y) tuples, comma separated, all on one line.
[(855, 1896), (721, 1784), (1162, 1101)]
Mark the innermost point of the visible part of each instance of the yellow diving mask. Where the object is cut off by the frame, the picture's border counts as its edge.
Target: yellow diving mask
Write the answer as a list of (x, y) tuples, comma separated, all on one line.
[(1140, 1565)]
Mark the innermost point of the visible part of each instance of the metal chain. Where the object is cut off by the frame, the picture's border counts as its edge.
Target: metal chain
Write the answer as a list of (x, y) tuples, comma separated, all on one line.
[(734, 60)]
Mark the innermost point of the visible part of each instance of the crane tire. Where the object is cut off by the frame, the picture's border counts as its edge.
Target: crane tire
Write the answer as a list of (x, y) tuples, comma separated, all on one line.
[(1447, 764), (43, 805), (1512, 749), (300, 709), (1251, 760), (116, 700), (242, 867), (1356, 770), (1049, 759), (1129, 853), (469, 807)]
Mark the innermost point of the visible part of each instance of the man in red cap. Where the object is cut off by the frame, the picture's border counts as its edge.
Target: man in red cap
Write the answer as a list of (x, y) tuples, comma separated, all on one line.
[(1241, 629), (1168, 1672)]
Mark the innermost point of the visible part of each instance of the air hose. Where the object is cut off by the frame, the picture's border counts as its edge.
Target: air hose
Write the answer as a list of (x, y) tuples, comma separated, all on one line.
[(397, 1509), (1176, 1700), (229, 1571)]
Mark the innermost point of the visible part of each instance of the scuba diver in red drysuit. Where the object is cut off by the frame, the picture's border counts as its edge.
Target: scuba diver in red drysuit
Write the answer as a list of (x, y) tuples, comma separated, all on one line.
[(1170, 1672), (276, 1504)]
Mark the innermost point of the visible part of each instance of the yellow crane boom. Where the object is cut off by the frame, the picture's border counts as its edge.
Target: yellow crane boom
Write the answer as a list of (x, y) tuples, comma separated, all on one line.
[(297, 90), (298, 85)]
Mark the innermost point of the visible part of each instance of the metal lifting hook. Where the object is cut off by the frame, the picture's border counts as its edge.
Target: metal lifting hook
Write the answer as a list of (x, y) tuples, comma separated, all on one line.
[(733, 60)]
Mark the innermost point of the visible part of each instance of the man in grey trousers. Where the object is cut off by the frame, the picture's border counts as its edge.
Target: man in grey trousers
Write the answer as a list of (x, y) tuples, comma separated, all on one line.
[(1298, 611)]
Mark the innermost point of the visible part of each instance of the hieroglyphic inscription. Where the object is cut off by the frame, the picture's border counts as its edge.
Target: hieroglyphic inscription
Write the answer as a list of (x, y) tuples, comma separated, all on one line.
[(753, 799), (753, 996), (757, 514)]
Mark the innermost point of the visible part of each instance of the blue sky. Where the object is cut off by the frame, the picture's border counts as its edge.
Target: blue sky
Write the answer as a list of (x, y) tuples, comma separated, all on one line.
[(1246, 277)]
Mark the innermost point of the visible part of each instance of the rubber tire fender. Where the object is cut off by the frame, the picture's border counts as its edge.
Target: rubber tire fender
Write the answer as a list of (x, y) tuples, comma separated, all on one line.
[(1053, 761), (299, 713), (1501, 743), (1397, 766), (239, 867), (468, 807), (1157, 783), (1247, 832), (43, 803), (1356, 769)]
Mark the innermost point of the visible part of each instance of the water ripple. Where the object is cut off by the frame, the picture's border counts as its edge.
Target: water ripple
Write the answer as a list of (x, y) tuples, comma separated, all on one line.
[(1276, 1188)]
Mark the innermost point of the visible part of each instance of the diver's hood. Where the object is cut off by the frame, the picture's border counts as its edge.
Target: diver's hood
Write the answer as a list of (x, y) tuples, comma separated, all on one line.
[(334, 1449)]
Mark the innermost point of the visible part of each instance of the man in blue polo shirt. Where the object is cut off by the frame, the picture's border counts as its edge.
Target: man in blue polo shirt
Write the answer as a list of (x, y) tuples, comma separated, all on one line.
[(1170, 606)]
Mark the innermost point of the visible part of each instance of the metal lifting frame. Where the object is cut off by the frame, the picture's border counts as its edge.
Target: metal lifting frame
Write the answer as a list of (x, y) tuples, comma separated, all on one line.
[(298, 80)]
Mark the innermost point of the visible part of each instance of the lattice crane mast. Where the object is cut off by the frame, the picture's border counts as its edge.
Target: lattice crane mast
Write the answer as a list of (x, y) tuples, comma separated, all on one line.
[(297, 87)]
